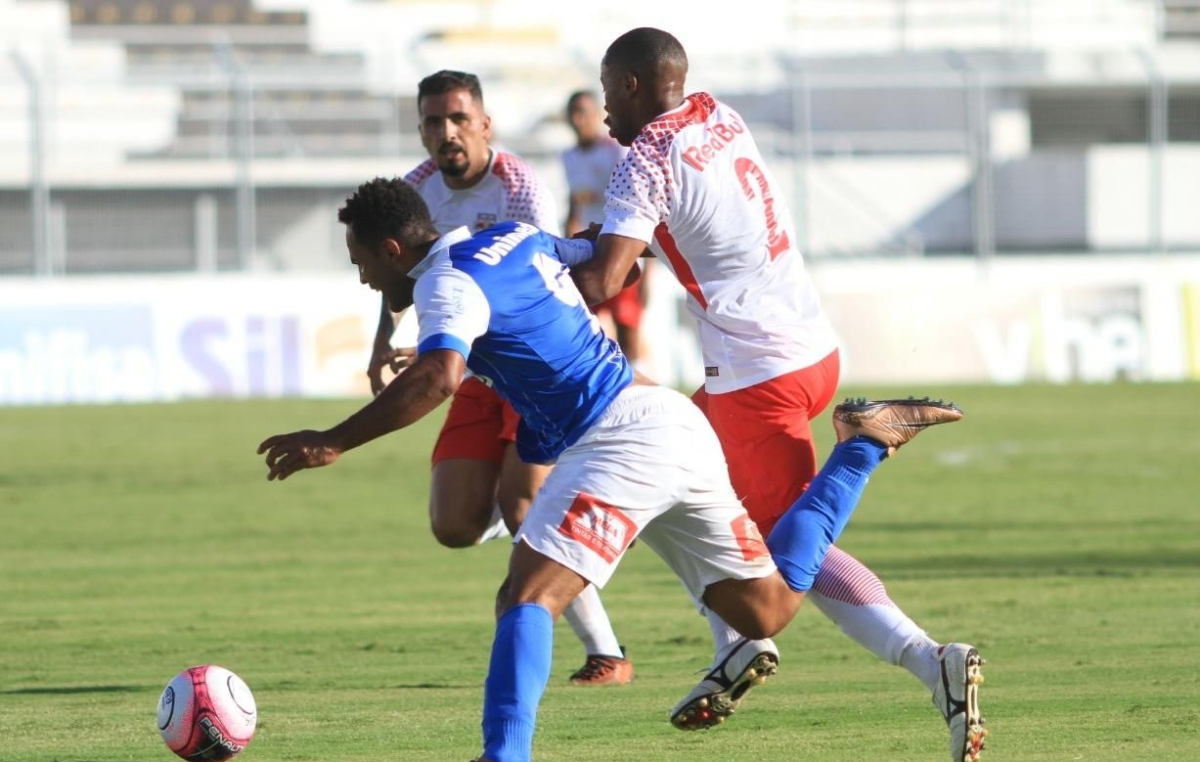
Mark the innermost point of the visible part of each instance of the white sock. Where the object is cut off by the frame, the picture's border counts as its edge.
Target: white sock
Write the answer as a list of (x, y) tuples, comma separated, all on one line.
[(723, 635), (589, 621), (920, 658), (497, 528), (856, 601)]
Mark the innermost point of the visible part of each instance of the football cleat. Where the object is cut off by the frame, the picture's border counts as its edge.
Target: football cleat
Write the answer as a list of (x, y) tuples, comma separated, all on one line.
[(892, 423), (604, 670), (722, 690), (956, 696)]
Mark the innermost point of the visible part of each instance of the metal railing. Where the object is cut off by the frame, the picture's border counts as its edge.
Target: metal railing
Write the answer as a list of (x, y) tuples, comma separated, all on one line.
[(227, 156)]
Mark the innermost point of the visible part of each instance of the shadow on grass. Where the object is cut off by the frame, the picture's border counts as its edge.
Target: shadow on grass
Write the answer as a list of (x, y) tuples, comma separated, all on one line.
[(74, 689)]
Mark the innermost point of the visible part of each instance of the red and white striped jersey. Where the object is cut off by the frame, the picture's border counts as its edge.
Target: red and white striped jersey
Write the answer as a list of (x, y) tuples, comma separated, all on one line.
[(695, 188), (510, 190)]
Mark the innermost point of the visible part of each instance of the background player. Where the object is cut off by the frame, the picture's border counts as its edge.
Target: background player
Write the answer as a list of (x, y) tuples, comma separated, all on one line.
[(588, 165), (631, 457), (479, 487), (695, 189)]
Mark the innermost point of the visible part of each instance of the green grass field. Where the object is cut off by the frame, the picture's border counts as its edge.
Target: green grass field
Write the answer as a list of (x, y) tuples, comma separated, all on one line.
[(1057, 528)]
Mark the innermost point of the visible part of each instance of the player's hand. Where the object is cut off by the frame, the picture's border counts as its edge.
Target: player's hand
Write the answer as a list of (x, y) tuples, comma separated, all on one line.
[(590, 234), (394, 359), (289, 453)]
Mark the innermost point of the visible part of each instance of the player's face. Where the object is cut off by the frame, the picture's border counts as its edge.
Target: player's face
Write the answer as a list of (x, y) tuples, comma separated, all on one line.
[(619, 88), (381, 268), (585, 119), (456, 133)]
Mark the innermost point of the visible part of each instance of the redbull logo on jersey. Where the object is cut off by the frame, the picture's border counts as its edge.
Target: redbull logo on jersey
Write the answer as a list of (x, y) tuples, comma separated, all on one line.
[(598, 526), (720, 135), (498, 249)]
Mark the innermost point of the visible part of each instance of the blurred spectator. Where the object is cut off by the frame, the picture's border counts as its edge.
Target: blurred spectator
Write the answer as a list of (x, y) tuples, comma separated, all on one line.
[(588, 166)]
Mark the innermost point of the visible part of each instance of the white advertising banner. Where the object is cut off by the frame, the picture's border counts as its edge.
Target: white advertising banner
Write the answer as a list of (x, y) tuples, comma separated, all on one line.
[(160, 338), (1015, 320), (132, 339)]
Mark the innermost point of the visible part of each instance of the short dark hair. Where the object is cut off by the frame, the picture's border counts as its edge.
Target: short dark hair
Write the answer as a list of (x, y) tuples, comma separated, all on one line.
[(442, 82), (645, 49), (577, 96), (384, 208)]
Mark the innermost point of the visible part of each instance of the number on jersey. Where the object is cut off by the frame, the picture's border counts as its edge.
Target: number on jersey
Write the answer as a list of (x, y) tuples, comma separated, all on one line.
[(777, 238), (558, 280)]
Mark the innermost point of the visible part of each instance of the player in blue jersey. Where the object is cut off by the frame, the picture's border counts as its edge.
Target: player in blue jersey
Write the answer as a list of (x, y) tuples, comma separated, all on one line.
[(632, 459)]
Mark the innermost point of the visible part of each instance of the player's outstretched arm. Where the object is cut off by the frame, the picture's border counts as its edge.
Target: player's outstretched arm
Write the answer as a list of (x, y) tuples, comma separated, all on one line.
[(429, 381), (612, 267)]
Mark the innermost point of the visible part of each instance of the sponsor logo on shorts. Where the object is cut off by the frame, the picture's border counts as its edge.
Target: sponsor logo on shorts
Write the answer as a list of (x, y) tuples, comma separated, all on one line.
[(712, 371), (598, 526), (749, 539)]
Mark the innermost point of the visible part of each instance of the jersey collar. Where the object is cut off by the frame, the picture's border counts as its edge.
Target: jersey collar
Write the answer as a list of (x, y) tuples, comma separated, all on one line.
[(440, 247)]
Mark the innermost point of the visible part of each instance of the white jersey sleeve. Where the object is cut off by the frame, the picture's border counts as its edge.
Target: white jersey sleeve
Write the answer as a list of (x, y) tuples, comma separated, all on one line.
[(638, 197), (452, 310)]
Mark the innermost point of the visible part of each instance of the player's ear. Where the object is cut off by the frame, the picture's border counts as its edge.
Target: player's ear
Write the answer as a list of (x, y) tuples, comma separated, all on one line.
[(630, 82), (392, 249), (487, 127)]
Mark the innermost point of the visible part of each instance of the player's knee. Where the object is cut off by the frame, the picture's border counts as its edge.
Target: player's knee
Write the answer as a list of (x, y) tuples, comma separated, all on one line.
[(453, 531)]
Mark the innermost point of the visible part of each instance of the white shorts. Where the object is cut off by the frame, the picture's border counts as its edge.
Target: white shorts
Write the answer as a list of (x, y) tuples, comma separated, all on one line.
[(651, 466)]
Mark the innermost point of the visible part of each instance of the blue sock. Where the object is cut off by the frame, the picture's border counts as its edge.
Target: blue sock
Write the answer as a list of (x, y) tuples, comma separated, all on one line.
[(517, 677), (800, 540)]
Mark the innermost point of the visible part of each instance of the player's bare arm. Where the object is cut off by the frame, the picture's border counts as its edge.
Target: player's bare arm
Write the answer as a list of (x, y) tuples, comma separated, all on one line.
[(612, 267), (382, 353), (430, 380)]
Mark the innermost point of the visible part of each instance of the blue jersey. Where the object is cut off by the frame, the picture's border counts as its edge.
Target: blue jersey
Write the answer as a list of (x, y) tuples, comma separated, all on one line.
[(504, 300)]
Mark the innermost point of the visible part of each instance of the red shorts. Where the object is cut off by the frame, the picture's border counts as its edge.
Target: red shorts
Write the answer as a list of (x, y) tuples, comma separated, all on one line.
[(767, 439), (626, 307), (478, 425)]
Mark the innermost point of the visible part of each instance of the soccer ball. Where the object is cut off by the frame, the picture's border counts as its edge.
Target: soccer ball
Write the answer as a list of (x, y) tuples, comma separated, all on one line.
[(206, 713)]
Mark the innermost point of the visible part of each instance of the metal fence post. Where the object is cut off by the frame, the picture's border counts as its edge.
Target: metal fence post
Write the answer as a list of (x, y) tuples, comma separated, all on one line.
[(204, 215), (39, 190), (985, 218), (247, 211), (1156, 139), (242, 95), (983, 232)]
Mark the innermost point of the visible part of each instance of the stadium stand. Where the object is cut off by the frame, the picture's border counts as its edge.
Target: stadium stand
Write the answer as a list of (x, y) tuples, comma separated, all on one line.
[(217, 134)]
